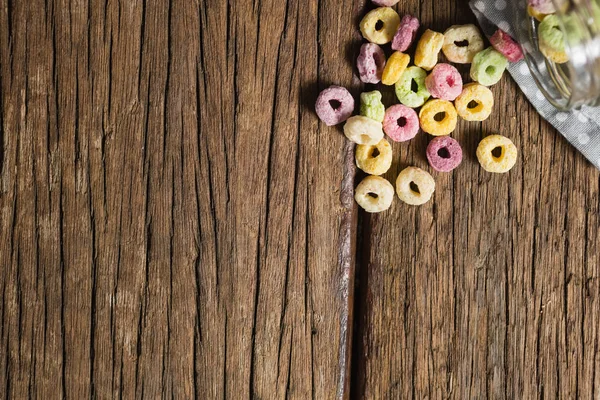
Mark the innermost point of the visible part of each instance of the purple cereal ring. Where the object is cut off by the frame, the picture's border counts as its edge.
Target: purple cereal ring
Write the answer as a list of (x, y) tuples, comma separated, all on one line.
[(444, 82), (370, 63), (385, 3), (506, 45), (334, 105), (444, 154), (401, 123), (407, 31)]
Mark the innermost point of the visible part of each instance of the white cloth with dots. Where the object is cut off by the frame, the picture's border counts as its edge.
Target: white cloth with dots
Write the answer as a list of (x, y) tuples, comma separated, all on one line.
[(580, 127)]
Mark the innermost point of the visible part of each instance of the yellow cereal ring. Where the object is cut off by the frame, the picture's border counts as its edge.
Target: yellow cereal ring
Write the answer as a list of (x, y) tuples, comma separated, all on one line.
[(428, 49), (371, 162), (475, 103), (462, 33), (394, 68), (493, 162), (415, 186), (363, 130), (390, 22), (374, 194), (438, 108), (535, 13)]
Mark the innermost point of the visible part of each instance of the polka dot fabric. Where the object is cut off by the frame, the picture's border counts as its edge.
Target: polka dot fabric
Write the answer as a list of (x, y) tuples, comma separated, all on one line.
[(581, 128)]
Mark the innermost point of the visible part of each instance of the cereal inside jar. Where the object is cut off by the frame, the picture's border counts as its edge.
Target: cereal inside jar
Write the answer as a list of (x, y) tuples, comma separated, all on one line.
[(559, 42)]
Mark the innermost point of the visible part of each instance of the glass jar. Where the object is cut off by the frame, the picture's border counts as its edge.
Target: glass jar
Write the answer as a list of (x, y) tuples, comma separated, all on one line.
[(562, 49)]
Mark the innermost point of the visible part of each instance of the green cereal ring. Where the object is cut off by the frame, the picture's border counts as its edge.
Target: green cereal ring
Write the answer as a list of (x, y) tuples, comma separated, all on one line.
[(371, 105), (552, 40), (404, 90), (488, 67)]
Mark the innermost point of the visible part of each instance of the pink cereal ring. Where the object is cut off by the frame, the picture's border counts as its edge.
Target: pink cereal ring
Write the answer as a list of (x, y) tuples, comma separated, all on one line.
[(370, 63), (385, 3), (444, 82), (444, 154), (334, 105), (506, 45), (407, 31), (401, 123), (542, 6)]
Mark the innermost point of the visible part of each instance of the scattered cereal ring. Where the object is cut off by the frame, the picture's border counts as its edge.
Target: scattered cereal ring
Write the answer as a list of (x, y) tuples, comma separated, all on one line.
[(385, 3), (363, 130), (415, 186), (475, 103), (334, 105), (444, 154), (374, 194), (492, 162), (552, 40), (488, 67), (506, 46), (444, 82), (428, 48), (406, 33), (542, 6), (374, 159), (413, 76), (371, 105), (400, 123), (461, 43), (394, 68), (429, 117), (370, 63), (390, 21)]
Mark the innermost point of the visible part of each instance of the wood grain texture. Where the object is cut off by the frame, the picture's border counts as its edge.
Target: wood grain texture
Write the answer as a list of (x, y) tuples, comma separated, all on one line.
[(175, 222), (491, 289)]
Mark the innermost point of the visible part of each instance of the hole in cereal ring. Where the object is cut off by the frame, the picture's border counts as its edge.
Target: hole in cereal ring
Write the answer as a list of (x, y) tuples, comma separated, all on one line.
[(414, 187), (444, 152), (461, 43), (401, 122), (490, 70), (497, 152), (365, 138), (375, 152), (373, 195), (335, 104), (414, 86), (450, 81), (472, 104), (379, 25), (439, 117)]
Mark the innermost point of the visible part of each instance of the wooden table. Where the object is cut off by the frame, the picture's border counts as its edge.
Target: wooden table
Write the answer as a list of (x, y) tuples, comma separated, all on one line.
[(175, 221)]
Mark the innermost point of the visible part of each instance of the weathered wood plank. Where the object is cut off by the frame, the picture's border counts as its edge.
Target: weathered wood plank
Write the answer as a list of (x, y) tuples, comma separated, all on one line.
[(172, 215)]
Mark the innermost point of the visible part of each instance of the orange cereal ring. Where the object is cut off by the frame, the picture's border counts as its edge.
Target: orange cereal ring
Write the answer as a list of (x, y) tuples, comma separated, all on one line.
[(394, 68), (428, 49), (438, 117), (475, 103), (389, 19)]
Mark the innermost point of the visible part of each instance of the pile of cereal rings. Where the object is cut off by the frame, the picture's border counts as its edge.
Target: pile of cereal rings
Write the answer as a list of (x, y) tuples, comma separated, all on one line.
[(435, 89)]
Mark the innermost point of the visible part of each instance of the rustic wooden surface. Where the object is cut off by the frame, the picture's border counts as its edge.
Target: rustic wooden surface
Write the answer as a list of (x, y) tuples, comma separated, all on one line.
[(175, 222)]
